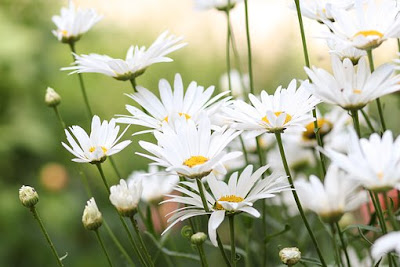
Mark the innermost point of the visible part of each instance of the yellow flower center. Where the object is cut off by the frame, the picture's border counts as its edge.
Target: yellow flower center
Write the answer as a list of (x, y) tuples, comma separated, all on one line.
[(369, 33), (380, 175), (229, 198), (324, 125), (194, 161), (92, 149), (357, 91), (187, 116), (287, 119), (64, 32)]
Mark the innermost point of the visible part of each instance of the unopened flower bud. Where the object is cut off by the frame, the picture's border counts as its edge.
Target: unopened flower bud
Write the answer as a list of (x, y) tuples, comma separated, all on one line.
[(52, 99), (290, 256), (125, 198), (28, 196), (198, 238), (92, 218)]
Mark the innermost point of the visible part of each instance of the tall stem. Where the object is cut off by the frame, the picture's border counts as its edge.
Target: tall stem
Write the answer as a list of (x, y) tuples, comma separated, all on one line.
[(142, 246), (203, 257), (366, 118), (82, 84), (228, 53), (344, 247), (378, 102), (117, 243), (390, 211), (356, 122), (233, 246), (103, 247), (296, 198), (46, 235), (249, 47), (115, 167), (335, 247), (60, 120)]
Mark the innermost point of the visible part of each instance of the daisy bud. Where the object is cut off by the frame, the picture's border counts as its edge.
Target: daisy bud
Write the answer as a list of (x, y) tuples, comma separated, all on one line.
[(28, 196), (92, 218), (290, 256), (125, 198), (52, 99), (198, 238)]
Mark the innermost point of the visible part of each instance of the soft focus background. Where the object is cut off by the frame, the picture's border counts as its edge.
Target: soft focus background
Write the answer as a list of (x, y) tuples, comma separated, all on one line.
[(30, 147)]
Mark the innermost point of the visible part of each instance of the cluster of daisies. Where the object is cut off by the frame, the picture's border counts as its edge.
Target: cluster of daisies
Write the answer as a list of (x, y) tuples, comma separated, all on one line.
[(207, 142)]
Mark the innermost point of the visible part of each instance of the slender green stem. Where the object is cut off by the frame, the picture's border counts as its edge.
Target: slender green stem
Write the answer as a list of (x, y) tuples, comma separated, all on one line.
[(296, 198), (103, 247), (117, 243), (356, 122), (319, 141), (98, 165), (203, 257), (228, 50), (259, 151), (82, 84), (115, 167), (46, 235), (133, 82), (246, 156), (142, 246), (238, 62), (149, 221), (249, 47), (344, 247), (233, 246), (378, 102), (390, 211), (335, 247), (60, 120), (248, 251), (378, 210), (366, 118)]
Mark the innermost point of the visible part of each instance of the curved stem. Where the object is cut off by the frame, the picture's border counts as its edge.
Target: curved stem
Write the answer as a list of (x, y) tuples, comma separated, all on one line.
[(117, 243), (103, 247), (356, 122), (115, 167), (344, 247), (249, 47), (60, 120), (366, 118), (296, 198), (232, 234), (203, 257), (142, 246), (46, 235), (133, 82)]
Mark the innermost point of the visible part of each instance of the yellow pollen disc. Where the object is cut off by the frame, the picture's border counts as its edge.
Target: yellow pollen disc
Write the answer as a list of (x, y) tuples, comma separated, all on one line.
[(166, 119), (230, 198), (380, 175), (369, 33), (187, 116), (104, 149), (287, 119), (92, 149), (324, 125), (195, 160), (64, 32), (357, 91)]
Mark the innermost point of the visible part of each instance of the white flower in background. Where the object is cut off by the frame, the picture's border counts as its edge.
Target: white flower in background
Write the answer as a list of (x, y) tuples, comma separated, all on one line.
[(351, 87), (218, 4), (189, 150), (332, 198), (125, 197), (72, 23), (101, 143), (155, 185), (290, 256), (240, 84), (136, 62), (237, 196), (92, 218), (386, 244), (288, 109), (343, 51), (321, 10), (366, 28), (373, 162), (173, 104), (356, 260)]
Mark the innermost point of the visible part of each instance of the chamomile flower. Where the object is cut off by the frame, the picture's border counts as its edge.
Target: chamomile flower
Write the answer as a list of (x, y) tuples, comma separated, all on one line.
[(373, 162), (366, 28), (217, 4), (288, 109), (235, 197), (125, 197), (331, 199), (136, 61), (321, 10), (173, 103), (385, 244), (352, 87), (72, 23), (343, 51), (101, 142), (189, 150)]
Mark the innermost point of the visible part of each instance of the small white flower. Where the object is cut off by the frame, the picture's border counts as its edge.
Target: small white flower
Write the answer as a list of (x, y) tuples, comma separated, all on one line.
[(92, 218), (385, 244), (237, 196), (189, 150), (136, 62), (321, 10), (125, 197), (344, 51), (218, 4), (173, 104), (288, 109), (351, 87), (374, 162), (101, 143), (72, 23), (28, 196), (331, 199), (290, 256)]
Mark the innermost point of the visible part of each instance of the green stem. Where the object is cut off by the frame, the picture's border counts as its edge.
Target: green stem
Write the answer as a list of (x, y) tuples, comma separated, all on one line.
[(115, 167), (296, 198), (103, 247), (390, 211), (249, 47), (203, 257), (378, 102), (228, 54), (142, 246), (98, 165), (133, 82), (60, 120), (233, 246), (378, 210), (320, 144), (46, 235), (335, 247), (356, 122), (344, 247), (366, 118), (117, 243), (246, 156), (149, 220), (82, 84)]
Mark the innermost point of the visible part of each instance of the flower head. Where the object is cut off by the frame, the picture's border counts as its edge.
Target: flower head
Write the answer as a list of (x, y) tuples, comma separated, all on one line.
[(125, 197), (217, 4), (136, 62), (101, 143), (72, 23), (290, 256), (321, 10), (52, 99), (385, 244), (343, 51), (28, 196), (92, 218)]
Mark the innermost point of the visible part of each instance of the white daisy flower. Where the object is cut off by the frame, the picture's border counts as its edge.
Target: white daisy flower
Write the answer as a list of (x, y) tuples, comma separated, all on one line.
[(125, 197), (72, 23), (331, 199), (155, 184), (321, 10), (351, 87), (237, 196), (190, 151), (173, 104), (343, 51), (92, 218), (366, 28), (386, 244), (374, 162), (288, 109), (101, 143), (218, 4), (136, 62)]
